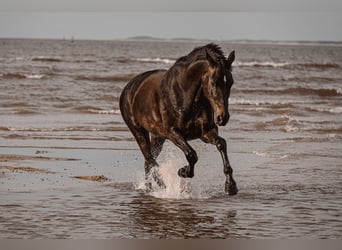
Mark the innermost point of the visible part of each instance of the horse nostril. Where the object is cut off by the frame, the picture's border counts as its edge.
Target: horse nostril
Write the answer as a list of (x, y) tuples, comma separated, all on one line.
[(219, 119)]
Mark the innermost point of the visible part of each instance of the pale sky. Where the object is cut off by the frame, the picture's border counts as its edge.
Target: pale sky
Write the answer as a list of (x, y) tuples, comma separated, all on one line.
[(288, 20)]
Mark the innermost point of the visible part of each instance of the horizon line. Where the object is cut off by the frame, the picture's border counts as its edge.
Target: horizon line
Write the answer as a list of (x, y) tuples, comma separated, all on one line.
[(189, 39)]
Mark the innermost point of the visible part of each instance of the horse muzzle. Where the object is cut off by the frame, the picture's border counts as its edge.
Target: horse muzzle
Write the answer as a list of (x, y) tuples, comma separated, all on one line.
[(222, 119)]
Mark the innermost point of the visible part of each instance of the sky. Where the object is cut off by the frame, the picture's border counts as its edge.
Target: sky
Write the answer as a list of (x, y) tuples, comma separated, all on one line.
[(290, 20)]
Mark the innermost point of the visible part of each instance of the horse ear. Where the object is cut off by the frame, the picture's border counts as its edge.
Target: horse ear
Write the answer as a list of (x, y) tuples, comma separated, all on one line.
[(231, 58)]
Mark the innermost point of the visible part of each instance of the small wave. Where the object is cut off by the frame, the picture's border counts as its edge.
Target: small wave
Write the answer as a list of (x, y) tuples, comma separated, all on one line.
[(21, 76), (46, 59), (334, 110), (290, 128), (26, 112), (95, 110), (285, 122), (115, 78), (105, 112), (63, 129), (146, 59), (261, 64), (271, 64), (57, 59), (12, 76), (326, 65), (33, 76), (14, 104), (322, 92), (269, 155), (311, 91), (85, 61), (280, 121), (110, 98), (247, 102), (156, 60), (315, 79)]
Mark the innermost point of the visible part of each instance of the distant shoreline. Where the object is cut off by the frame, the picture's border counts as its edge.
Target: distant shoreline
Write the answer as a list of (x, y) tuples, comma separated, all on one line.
[(185, 39)]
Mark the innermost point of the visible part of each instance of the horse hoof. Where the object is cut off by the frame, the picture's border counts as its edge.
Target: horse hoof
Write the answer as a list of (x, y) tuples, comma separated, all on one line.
[(182, 173), (231, 189)]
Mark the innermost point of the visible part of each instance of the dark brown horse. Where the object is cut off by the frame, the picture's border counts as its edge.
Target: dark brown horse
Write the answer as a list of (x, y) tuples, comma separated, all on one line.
[(183, 103)]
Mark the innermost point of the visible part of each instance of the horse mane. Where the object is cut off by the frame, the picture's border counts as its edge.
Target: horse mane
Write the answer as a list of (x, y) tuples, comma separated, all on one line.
[(213, 50)]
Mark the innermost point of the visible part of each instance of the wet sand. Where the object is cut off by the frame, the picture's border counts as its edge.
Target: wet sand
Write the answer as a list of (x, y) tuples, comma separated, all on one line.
[(99, 193)]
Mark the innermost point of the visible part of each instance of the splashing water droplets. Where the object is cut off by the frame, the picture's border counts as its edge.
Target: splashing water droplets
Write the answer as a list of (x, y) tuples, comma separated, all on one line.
[(176, 187)]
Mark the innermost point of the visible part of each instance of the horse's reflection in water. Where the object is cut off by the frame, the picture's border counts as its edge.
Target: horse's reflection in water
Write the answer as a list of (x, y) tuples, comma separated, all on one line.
[(165, 218), (186, 102)]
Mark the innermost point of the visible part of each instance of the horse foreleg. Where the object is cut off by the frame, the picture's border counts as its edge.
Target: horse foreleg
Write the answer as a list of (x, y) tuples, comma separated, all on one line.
[(221, 145), (230, 184), (189, 152)]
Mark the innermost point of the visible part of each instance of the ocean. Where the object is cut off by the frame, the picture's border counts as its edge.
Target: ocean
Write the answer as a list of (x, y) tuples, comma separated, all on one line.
[(60, 122)]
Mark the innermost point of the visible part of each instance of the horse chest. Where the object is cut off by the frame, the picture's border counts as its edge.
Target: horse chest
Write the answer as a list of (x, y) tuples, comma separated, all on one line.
[(193, 127)]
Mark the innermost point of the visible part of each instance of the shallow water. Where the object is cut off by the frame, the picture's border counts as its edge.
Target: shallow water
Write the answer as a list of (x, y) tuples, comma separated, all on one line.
[(59, 112)]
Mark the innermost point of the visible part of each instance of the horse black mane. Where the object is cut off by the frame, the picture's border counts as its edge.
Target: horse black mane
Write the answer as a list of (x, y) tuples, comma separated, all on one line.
[(211, 49)]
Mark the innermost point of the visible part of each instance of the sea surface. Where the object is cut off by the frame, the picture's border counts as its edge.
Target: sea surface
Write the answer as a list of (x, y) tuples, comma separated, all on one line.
[(59, 113)]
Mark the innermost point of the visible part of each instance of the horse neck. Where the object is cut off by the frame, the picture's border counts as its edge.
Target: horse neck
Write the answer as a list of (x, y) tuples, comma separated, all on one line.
[(183, 90)]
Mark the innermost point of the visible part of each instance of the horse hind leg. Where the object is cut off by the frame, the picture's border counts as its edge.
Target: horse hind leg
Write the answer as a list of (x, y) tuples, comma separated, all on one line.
[(142, 137), (156, 145)]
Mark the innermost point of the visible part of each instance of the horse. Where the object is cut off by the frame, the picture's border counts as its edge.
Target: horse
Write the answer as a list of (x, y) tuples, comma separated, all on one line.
[(186, 102)]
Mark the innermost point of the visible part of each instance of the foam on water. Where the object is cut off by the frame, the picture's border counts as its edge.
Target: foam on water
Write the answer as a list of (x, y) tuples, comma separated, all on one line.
[(261, 64), (104, 112), (157, 60)]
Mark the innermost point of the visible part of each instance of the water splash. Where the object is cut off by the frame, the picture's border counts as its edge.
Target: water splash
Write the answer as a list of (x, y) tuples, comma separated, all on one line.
[(199, 187), (176, 187)]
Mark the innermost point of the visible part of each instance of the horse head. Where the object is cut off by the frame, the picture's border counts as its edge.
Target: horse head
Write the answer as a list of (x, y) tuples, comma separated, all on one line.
[(216, 84)]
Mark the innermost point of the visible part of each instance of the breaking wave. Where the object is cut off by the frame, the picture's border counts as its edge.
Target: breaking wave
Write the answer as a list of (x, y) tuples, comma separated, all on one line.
[(242, 101), (10, 76), (270, 64), (260, 64), (335, 110), (156, 60), (322, 92), (95, 110)]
